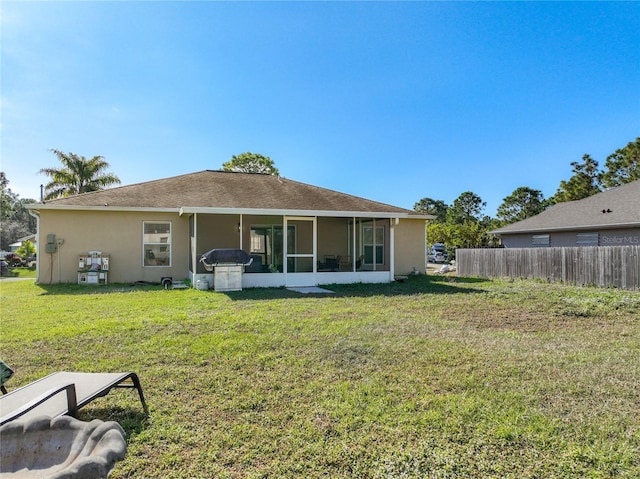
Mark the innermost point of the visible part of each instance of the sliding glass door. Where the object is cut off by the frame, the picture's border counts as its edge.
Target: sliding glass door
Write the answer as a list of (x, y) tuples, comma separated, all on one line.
[(267, 247)]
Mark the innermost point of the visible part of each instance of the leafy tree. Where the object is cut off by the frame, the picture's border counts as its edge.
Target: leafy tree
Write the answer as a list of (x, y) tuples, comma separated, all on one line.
[(467, 207), (22, 216), (437, 208), (27, 249), (7, 198), (463, 225), (251, 163), (622, 166), (15, 220), (584, 182), (523, 203), (441, 232), (10, 232), (77, 175), (438, 233), (470, 234)]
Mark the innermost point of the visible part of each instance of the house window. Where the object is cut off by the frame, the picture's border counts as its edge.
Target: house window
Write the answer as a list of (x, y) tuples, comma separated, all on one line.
[(373, 244), (587, 239), (156, 243), (540, 240)]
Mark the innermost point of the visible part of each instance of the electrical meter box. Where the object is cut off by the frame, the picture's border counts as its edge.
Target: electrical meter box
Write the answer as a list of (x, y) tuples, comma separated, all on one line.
[(93, 268)]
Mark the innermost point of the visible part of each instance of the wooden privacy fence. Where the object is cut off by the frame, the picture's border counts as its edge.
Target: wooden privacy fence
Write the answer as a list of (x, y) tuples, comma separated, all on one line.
[(604, 266)]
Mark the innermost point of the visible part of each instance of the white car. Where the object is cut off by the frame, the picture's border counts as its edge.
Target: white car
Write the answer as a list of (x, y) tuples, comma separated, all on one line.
[(437, 257), (438, 253)]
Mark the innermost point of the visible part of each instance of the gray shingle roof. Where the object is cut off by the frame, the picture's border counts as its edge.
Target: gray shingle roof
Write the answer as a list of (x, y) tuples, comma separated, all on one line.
[(222, 189), (621, 208)]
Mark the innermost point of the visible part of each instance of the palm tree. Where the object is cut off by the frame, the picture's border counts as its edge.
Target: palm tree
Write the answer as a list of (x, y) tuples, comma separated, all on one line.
[(77, 175)]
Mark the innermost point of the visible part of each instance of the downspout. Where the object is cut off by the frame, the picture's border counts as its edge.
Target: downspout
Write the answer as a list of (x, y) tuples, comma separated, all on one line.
[(424, 244), (36, 215)]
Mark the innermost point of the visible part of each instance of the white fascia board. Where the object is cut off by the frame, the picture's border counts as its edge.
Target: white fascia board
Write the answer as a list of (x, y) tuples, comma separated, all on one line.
[(39, 207), (271, 212), (229, 211)]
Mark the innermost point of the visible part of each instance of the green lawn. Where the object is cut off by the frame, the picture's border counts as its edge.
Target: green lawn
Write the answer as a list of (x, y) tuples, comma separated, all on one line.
[(430, 378), (22, 273)]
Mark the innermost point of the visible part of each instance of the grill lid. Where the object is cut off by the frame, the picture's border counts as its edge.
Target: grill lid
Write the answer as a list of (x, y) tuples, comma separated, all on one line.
[(225, 255)]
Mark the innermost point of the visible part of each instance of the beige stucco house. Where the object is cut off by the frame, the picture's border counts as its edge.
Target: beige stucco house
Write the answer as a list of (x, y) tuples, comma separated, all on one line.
[(297, 234)]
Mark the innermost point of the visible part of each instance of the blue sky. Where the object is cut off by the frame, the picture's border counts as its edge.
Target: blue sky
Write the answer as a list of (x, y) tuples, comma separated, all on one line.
[(392, 101)]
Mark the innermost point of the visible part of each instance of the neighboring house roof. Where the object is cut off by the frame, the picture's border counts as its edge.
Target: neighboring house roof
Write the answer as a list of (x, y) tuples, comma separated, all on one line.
[(615, 208), (31, 237), (210, 191)]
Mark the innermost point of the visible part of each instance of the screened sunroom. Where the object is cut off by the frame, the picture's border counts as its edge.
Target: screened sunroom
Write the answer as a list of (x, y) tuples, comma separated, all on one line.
[(289, 250)]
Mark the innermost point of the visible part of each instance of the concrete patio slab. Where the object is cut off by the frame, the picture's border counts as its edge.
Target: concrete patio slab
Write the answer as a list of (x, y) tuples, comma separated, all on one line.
[(311, 289)]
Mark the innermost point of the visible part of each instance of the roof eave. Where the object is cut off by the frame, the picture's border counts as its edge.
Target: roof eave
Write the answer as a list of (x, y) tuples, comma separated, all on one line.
[(39, 207), (291, 212), (213, 210), (567, 228)]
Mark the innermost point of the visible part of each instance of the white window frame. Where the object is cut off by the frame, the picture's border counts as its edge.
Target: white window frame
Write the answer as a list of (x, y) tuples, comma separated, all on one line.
[(374, 245), (168, 243)]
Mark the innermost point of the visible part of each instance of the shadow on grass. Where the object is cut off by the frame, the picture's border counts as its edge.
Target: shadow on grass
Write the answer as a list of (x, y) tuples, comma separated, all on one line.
[(423, 284), (132, 421), (411, 286), (75, 289)]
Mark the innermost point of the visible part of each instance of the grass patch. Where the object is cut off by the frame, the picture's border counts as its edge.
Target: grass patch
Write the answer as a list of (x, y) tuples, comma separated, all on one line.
[(436, 377), (21, 273)]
